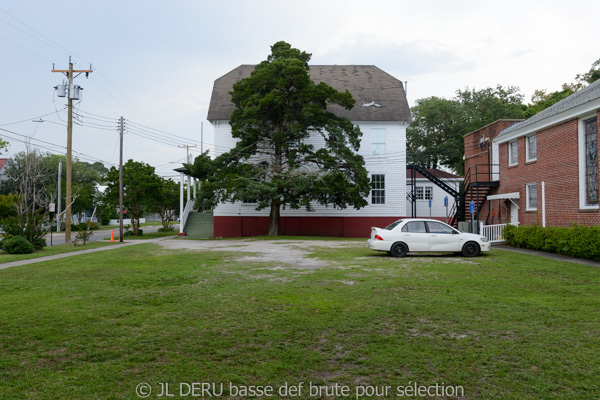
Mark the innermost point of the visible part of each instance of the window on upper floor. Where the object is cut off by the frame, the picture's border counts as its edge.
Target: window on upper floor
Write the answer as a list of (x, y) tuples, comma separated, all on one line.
[(513, 153), (531, 189), (531, 148), (378, 141), (378, 189)]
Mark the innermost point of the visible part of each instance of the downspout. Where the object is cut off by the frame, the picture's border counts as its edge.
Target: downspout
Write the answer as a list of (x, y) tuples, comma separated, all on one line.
[(181, 204), (543, 204)]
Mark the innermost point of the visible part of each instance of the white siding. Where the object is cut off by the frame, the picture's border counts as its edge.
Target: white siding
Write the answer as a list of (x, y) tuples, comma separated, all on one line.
[(437, 204), (392, 165)]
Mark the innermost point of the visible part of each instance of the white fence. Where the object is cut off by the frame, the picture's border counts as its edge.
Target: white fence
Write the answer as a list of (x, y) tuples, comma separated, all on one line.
[(494, 233), (125, 221)]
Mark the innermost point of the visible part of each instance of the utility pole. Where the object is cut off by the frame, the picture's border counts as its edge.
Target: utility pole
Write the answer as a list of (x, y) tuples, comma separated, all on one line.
[(121, 125), (72, 93), (58, 227), (187, 147)]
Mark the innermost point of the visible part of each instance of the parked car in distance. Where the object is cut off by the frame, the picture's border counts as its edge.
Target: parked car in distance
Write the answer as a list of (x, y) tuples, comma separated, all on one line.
[(419, 235)]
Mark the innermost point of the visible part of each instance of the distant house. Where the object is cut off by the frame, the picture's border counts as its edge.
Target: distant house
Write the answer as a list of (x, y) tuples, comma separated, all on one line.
[(430, 198), (382, 113), (3, 177), (543, 170)]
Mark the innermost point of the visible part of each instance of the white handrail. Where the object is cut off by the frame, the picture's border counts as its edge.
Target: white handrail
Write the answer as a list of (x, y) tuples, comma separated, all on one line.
[(494, 233), (186, 213)]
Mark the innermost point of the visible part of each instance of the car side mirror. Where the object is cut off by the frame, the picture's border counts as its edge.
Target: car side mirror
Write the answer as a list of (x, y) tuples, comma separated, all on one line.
[(455, 232)]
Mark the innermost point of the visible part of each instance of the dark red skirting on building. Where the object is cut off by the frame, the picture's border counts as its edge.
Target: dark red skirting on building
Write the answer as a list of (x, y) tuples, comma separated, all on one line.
[(357, 227)]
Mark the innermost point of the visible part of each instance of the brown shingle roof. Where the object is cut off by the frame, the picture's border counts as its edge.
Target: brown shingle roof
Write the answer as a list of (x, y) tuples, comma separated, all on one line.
[(367, 84)]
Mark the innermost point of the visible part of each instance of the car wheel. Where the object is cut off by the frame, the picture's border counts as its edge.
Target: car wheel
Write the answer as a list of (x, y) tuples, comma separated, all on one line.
[(399, 250), (470, 249)]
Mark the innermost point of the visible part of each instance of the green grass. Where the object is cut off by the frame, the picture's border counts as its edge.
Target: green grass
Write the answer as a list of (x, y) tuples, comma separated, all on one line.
[(503, 326), (146, 236), (50, 251)]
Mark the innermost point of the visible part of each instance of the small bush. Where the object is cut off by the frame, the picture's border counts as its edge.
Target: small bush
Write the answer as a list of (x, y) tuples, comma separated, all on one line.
[(17, 245), (130, 233), (163, 229), (93, 226), (83, 236), (576, 241)]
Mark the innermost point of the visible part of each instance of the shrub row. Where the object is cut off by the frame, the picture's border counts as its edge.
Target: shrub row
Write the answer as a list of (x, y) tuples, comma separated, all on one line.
[(576, 241)]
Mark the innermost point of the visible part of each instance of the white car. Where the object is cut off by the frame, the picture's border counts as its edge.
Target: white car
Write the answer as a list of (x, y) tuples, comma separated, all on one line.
[(417, 234)]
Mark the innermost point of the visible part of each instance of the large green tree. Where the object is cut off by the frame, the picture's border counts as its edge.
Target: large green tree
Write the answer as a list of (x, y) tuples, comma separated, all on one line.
[(276, 109), (167, 201), (141, 187), (435, 137)]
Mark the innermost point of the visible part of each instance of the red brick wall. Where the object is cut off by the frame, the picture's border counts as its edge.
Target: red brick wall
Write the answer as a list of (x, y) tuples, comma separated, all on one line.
[(557, 165), (476, 155)]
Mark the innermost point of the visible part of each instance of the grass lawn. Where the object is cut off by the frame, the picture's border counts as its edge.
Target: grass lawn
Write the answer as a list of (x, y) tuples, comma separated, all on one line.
[(146, 236), (50, 251), (502, 326)]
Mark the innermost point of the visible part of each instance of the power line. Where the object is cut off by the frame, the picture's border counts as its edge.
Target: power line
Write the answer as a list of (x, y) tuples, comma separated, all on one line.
[(29, 138), (28, 119)]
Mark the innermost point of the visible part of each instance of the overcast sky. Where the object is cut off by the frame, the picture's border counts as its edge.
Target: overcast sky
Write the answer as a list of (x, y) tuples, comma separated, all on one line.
[(155, 62)]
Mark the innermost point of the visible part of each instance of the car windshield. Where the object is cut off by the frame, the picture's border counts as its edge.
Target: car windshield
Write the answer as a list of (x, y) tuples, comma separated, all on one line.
[(392, 225)]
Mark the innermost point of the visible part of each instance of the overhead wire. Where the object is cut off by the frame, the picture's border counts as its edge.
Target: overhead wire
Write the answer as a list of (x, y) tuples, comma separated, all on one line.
[(28, 119), (29, 138)]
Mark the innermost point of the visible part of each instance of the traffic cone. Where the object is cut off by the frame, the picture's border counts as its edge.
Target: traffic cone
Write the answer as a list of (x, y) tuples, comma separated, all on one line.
[(112, 236)]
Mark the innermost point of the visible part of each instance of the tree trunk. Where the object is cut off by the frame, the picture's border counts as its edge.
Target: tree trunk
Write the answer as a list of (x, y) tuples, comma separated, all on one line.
[(274, 218)]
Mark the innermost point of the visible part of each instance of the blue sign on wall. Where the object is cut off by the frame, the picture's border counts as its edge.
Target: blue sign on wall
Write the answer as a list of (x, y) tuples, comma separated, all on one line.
[(429, 203), (472, 207)]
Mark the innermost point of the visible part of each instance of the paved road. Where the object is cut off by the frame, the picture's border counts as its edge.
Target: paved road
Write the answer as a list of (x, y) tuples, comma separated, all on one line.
[(59, 238)]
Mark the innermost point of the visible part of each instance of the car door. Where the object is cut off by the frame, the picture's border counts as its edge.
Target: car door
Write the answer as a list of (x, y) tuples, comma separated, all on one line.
[(414, 234), (442, 237)]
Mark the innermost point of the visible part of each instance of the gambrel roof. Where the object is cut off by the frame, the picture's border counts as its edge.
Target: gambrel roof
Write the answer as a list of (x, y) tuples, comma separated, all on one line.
[(379, 96)]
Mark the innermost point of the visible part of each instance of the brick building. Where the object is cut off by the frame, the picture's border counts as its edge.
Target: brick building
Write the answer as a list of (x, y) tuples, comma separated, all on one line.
[(543, 170)]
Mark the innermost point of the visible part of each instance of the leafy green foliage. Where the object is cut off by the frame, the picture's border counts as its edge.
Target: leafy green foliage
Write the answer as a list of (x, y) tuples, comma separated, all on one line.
[(8, 206), (576, 241), (276, 109), (435, 137), (17, 245), (141, 188), (542, 100), (167, 201), (83, 236)]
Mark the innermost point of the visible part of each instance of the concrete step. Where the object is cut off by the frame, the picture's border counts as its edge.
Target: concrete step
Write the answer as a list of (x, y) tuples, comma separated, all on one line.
[(199, 225)]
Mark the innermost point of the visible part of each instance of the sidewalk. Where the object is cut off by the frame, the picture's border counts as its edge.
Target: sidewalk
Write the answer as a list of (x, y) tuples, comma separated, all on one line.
[(552, 256), (76, 253)]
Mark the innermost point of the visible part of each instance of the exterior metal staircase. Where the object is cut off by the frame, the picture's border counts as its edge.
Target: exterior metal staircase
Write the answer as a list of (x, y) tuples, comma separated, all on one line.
[(437, 181), (479, 182)]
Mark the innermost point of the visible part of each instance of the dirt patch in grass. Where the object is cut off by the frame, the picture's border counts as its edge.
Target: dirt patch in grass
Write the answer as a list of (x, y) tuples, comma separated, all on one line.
[(278, 254)]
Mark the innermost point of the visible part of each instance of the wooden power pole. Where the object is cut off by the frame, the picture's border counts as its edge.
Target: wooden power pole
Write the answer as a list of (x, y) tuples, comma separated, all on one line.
[(70, 73), (121, 125)]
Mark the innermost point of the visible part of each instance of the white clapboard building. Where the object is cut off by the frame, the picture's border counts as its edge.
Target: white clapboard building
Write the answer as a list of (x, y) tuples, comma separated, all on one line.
[(382, 113)]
